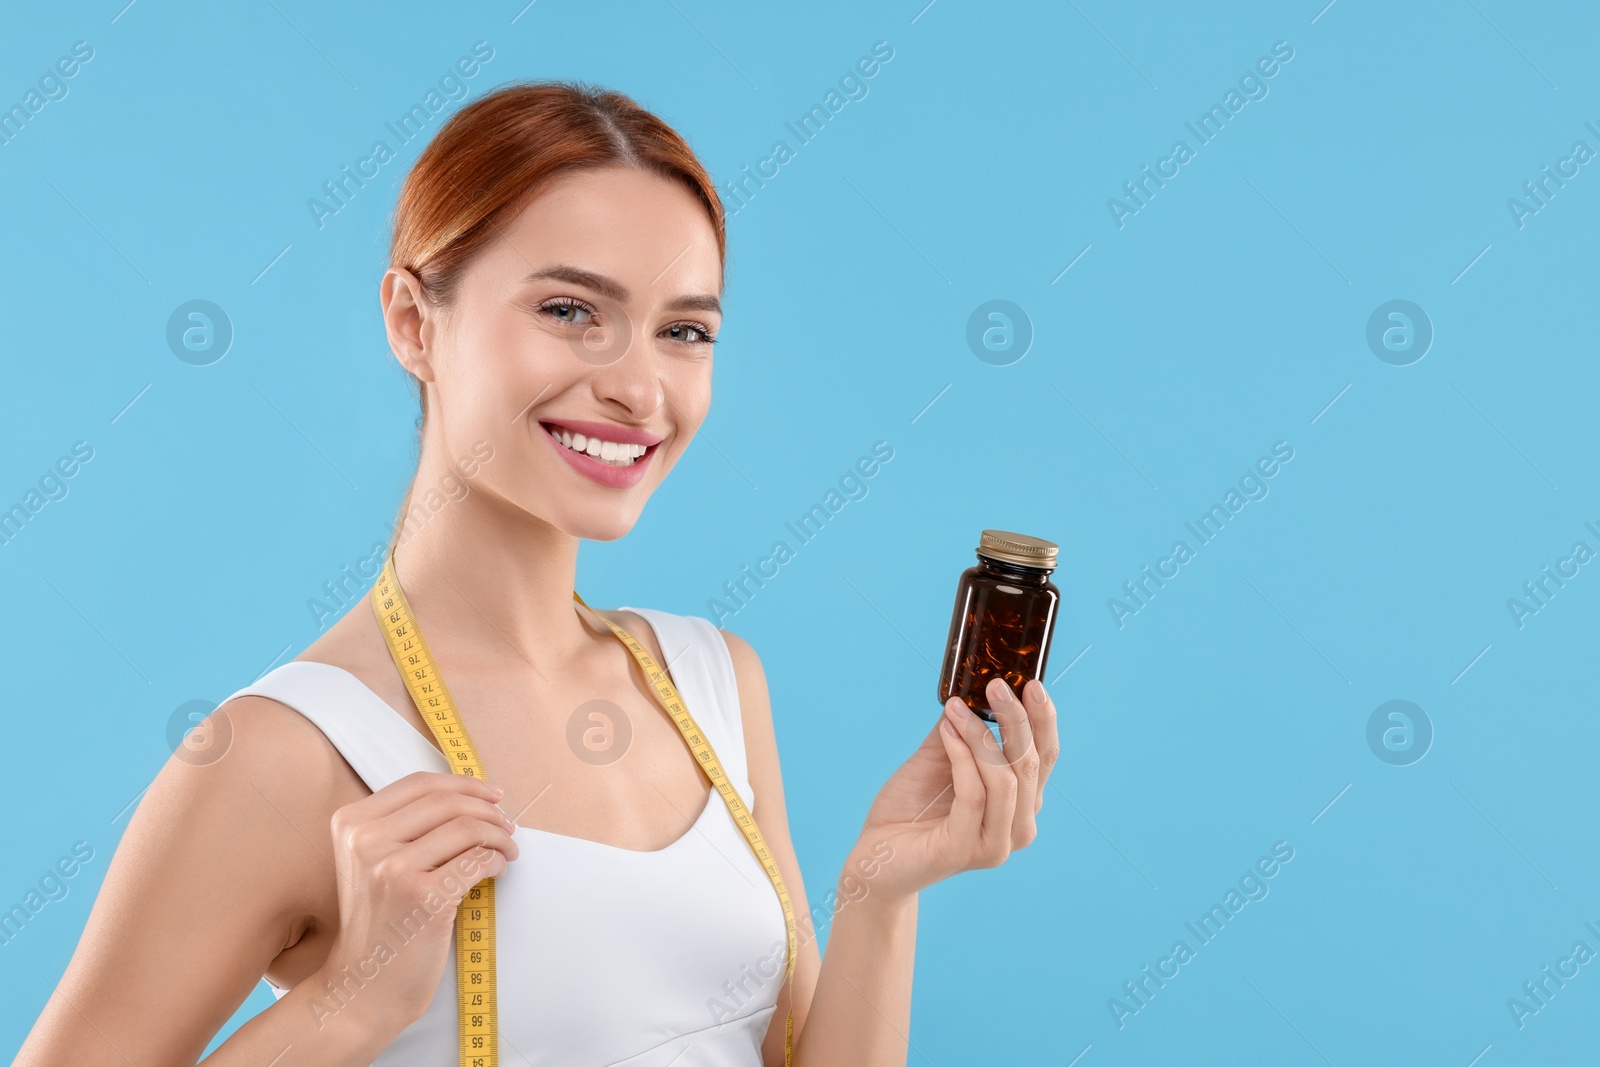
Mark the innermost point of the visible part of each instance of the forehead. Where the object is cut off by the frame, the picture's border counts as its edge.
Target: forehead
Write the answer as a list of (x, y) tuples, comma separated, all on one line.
[(649, 232)]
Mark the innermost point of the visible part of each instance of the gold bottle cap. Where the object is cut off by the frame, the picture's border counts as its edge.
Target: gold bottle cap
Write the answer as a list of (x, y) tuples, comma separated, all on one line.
[(1018, 548)]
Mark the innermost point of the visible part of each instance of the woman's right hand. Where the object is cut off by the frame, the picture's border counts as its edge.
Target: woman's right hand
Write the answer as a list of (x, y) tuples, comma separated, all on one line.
[(405, 856)]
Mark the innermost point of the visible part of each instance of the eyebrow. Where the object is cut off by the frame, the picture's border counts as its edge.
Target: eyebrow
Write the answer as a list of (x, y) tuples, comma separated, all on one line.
[(614, 290)]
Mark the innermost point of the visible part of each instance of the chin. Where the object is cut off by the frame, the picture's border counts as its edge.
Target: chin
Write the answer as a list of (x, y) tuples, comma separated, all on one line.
[(601, 527)]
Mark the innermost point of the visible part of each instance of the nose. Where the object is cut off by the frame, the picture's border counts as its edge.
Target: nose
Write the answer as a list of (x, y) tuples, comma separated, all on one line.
[(632, 382)]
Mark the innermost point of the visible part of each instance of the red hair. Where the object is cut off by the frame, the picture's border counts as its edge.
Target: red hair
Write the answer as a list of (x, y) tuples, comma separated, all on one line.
[(495, 154), (498, 152)]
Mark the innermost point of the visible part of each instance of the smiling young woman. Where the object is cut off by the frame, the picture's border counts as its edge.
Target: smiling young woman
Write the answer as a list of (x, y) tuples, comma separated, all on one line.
[(555, 290)]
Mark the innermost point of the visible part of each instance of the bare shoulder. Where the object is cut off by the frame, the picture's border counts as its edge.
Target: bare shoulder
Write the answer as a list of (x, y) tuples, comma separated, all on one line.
[(760, 739), (244, 818), (271, 743), (265, 779), (220, 870), (751, 675)]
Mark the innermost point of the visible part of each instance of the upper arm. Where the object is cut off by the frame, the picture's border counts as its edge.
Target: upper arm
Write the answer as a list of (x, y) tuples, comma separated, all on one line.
[(198, 898), (771, 815)]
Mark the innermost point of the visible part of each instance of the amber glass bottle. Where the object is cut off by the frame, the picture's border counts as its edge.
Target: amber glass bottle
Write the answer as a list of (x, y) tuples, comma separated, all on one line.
[(1004, 615)]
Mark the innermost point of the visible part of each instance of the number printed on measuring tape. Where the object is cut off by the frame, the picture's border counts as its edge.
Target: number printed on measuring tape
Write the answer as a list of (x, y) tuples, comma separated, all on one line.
[(474, 921), (475, 926)]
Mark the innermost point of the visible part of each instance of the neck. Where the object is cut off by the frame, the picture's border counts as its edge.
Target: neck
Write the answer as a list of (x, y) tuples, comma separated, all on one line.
[(487, 581)]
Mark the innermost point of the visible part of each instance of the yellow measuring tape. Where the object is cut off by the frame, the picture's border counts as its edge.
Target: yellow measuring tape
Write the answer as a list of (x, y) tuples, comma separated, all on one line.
[(475, 970)]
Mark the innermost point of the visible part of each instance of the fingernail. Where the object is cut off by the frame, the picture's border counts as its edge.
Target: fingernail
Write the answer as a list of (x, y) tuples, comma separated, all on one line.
[(957, 709), (1034, 689), (999, 692), (497, 791)]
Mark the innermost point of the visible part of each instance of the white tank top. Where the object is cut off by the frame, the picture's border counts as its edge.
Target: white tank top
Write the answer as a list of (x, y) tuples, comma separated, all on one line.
[(606, 956)]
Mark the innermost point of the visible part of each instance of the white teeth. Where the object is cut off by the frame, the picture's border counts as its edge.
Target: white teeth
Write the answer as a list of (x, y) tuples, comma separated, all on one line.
[(609, 452)]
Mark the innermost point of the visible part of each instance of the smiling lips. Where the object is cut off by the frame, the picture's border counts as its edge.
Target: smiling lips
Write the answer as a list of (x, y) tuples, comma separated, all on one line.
[(611, 455), (613, 452)]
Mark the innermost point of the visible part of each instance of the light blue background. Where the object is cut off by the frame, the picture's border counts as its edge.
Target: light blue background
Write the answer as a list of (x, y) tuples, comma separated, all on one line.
[(1223, 317)]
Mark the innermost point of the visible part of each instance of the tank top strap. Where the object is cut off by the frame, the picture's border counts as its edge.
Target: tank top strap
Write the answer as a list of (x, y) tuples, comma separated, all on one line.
[(702, 672), (380, 745)]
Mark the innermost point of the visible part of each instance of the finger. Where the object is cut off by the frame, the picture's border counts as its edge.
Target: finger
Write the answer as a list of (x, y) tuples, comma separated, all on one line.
[(1016, 730), (1021, 753), (455, 879), (444, 843), (434, 809), (403, 791), (965, 821), (473, 866), (999, 783), (1042, 712)]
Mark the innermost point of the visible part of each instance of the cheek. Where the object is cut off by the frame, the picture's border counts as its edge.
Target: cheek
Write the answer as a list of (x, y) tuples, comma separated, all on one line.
[(498, 365), (689, 389)]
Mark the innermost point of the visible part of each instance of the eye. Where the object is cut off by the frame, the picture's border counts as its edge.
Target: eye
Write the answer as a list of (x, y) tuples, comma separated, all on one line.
[(691, 333), (569, 310)]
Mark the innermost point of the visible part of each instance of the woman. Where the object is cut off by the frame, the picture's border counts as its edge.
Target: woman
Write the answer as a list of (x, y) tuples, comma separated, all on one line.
[(556, 265)]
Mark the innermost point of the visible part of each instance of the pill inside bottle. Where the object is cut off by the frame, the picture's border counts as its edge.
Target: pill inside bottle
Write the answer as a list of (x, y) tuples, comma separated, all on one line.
[(1005, 613)]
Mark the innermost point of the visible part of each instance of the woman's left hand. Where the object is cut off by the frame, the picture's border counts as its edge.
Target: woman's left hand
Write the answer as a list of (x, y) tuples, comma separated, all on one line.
[(962, 801)]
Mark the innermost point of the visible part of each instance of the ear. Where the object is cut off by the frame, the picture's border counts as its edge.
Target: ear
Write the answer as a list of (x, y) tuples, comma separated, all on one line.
[(409, 322)]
